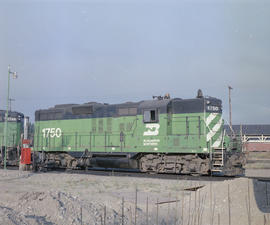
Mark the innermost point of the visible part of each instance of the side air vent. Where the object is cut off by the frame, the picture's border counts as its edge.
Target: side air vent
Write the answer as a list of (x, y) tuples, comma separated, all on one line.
[(127, 111), (83, 109)]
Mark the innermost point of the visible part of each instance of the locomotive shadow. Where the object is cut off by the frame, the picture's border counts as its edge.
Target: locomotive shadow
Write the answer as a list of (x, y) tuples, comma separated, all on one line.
[(261, 189)]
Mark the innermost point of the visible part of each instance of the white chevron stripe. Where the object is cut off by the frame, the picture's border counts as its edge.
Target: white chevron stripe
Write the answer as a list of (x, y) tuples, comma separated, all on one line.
[(217, 142), (214, 130), (210, 118)]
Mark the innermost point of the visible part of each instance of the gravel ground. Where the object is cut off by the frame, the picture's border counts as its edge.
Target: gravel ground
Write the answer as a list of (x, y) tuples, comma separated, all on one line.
[(257, 173), (61, 198)]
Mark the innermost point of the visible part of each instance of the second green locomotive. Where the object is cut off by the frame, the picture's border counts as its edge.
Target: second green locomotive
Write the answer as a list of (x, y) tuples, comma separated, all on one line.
[(15, 131)]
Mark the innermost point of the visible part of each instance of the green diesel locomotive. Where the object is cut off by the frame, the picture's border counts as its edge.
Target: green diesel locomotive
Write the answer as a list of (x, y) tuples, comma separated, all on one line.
[(15, 131), (163, 135)]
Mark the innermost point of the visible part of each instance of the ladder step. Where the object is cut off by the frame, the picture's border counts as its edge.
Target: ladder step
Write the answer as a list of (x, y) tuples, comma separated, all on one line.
[(217, 160)]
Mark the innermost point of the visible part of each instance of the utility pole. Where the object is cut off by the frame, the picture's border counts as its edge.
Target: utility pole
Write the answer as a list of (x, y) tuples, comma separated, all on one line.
[(10, 101), (14, 75), (230, 105)]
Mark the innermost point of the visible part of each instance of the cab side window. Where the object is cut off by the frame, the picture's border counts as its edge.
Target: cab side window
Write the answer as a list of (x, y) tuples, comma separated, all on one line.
[(150, 116)]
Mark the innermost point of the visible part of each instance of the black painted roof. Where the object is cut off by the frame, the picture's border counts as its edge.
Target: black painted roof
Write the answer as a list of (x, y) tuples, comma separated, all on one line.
[(12, 114), (252, 129), (97, 110)]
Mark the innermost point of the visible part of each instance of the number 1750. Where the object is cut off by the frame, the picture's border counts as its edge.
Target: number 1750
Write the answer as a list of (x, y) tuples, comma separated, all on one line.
[(51, 132)]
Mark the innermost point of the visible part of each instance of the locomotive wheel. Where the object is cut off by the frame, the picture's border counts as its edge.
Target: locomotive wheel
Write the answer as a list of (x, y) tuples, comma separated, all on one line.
[(177, 164)]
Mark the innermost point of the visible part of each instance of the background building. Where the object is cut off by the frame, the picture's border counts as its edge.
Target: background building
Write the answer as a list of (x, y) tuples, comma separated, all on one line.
[(254, 137)]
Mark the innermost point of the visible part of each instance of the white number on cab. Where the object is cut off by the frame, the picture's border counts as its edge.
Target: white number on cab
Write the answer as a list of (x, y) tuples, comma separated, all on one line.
[(52, 132)]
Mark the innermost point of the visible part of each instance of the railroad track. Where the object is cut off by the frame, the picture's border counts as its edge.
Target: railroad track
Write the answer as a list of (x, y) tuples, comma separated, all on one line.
[(10, 167), (138, 174)]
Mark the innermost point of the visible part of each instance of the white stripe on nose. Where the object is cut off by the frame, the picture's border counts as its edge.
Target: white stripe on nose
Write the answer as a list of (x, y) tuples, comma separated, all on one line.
[(214, 130), (217, 142), (210, 118)]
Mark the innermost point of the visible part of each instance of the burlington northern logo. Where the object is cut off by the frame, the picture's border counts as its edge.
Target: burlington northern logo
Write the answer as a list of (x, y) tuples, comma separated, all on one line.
[(152, 129)]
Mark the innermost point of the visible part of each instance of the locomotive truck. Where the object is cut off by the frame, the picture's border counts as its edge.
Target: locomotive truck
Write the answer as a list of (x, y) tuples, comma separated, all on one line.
[(162, 135)]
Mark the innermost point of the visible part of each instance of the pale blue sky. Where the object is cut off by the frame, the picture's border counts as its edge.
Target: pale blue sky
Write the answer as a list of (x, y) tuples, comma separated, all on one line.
[(117, 51)]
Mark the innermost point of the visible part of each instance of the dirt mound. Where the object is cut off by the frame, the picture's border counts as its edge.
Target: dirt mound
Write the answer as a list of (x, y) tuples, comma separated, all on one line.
[(60, 198), (54, 208)]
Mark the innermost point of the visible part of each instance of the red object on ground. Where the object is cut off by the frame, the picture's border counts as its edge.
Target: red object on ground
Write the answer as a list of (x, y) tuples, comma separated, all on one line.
[(26, 156)]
